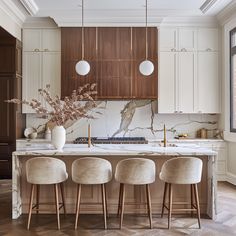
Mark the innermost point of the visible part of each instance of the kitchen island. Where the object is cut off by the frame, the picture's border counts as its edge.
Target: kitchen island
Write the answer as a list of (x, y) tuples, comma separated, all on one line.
[(114, 153)]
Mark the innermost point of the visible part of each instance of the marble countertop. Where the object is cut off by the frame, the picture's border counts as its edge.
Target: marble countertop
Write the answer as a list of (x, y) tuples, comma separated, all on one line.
[(117, 149)]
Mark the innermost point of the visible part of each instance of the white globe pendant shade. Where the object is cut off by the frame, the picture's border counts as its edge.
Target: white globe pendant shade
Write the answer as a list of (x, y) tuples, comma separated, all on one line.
[(82, 67), (146, 67)]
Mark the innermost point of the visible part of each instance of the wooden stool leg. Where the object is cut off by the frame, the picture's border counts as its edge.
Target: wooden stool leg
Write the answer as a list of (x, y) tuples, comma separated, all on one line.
[(122, 205), (63, 197), (119, 201), (164, 200), (149, 205), (198, 205), (104, 205), (106, 201), (170, 205), (57, 205), (37, 197), (77, 205), (30, 205), (191, 192)]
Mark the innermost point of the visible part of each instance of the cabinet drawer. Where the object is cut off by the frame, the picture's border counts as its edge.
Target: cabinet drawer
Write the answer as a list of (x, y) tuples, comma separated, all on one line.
[(4, 149)]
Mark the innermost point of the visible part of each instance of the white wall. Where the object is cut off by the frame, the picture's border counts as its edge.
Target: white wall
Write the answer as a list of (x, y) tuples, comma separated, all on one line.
[(229, 137), (9, 24)]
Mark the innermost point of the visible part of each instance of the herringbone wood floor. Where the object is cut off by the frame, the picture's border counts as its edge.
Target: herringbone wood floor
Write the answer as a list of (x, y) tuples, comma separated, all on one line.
[(45, 225)]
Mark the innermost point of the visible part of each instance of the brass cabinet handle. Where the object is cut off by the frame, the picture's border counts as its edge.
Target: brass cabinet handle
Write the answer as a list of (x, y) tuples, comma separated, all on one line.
[(46, 50), (173, 49), (183, 50), (36, 50), (208, 49)]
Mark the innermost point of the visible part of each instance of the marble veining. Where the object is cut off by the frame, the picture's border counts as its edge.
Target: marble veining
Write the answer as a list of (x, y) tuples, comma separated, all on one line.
[(132, 118)]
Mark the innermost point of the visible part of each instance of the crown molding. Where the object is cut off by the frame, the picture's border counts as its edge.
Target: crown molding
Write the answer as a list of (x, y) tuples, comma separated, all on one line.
[(227, 13), (207, 5), (13, 11), (30, 6)]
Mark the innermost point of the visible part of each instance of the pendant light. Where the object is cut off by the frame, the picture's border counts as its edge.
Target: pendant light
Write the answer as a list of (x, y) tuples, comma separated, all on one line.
[(82, 67), (146, 67)]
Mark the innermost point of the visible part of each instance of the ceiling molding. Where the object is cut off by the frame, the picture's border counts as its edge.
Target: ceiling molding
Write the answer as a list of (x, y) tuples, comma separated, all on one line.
[(12, 10), (227, 13), (208, 4), (30, 6)]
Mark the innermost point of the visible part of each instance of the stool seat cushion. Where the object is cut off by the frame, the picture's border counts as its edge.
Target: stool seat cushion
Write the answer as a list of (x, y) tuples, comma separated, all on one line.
[(45, 170), (136, 171), (91, 170), (182, 170)]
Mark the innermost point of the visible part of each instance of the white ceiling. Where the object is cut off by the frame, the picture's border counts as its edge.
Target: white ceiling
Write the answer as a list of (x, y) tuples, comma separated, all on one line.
[(68, 12)]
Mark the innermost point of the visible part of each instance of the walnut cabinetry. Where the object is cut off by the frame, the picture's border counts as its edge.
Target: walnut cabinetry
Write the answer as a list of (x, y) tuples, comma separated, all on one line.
[(11, 120), (114, 54)]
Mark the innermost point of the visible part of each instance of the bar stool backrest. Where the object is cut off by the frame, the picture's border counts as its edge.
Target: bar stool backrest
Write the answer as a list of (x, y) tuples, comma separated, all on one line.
[(135, 171), (91, 170), (45, 170), (182, 170)]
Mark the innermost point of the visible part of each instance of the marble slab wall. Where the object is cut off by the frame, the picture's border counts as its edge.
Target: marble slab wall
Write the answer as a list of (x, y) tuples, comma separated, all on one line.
[(130, 119)]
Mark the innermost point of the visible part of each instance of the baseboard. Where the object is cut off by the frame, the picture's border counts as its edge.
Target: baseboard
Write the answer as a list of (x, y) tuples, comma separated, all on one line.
[(231, 178), (221, 177)]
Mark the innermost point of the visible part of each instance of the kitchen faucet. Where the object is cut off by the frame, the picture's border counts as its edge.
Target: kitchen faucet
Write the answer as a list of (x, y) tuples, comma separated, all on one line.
[(164, 140)]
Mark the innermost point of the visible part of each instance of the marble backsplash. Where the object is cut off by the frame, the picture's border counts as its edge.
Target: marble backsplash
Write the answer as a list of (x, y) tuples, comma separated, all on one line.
[(130, 119)]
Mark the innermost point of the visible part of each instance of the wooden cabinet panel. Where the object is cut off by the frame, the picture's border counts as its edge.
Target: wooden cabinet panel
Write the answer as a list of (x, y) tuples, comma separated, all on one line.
[(7, 110), (51, 40), (114, 54), (7, 60), (32, 40), (187, 39), (168, 39)]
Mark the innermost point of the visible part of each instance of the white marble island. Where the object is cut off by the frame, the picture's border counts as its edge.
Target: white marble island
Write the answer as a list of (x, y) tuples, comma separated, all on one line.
[(114, 153)]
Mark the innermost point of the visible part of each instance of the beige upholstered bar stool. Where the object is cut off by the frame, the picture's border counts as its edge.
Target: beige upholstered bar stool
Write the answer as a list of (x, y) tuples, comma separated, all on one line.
[(44, 171), (91, 170), (135, 171), (181, 170)]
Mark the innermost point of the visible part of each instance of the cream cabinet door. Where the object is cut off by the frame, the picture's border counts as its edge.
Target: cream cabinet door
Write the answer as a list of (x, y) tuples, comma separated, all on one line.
[(187, 39), (51, 72), (208, 39), (31, 40), (208, 82), (31, 81), (51, 40), (167, 82), (168, 39), (186, 82)]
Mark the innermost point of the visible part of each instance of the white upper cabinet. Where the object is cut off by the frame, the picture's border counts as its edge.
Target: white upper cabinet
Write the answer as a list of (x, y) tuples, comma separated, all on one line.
[(41, 63), (189, 74), (39, 40), (187, 39), (168, 39), (51, 40), (208, 39), (208, 82), (186, 82), (31, 78), (167, 82)]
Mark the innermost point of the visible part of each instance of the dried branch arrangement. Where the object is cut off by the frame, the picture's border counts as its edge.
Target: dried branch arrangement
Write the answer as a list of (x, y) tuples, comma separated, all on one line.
[(73, 107)]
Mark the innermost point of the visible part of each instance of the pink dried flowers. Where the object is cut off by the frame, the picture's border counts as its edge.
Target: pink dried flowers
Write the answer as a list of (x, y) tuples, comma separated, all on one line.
[(60, 111)]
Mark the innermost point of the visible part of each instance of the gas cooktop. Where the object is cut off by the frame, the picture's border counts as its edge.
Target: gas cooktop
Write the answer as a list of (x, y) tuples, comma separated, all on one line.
[(112, 140)]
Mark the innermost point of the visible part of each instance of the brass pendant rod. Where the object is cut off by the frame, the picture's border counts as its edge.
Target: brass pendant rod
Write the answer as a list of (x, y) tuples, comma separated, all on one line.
[(146, 34), (82, 46)]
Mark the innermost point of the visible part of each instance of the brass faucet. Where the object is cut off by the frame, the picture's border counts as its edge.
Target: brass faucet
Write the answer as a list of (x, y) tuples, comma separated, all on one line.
[(164, 140), (89, 135)]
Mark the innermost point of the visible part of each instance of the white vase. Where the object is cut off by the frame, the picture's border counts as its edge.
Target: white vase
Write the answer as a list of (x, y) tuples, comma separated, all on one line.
[(58, 137)]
